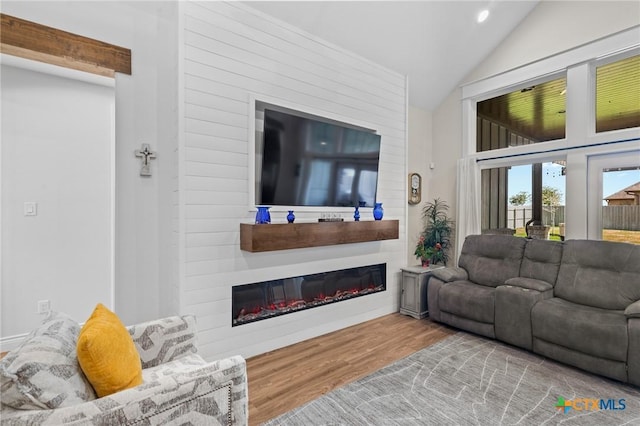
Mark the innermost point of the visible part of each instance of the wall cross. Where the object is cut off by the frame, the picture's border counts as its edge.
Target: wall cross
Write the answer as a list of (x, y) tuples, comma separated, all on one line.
[(146, 155)]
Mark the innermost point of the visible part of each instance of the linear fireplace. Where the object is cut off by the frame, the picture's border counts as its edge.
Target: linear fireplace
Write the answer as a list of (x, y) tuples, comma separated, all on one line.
[(267, 299)]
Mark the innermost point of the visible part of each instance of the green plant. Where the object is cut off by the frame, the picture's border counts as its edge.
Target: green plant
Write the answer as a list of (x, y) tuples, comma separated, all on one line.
[(435, 239), (423, 252), (519, 199)]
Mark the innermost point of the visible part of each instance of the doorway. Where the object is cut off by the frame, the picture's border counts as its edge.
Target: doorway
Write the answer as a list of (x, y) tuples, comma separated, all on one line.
[(58, 146)]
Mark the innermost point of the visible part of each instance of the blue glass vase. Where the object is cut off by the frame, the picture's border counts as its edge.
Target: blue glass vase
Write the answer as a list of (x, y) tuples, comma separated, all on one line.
[(356, 214), (291, 217), (378, 211), (263, 215)]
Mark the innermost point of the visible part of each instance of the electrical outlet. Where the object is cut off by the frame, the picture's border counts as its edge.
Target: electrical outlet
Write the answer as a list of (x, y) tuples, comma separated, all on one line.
[(44, 306)]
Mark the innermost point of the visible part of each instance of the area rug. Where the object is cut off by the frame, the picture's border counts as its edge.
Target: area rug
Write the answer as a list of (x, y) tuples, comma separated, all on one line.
[(469, 380)]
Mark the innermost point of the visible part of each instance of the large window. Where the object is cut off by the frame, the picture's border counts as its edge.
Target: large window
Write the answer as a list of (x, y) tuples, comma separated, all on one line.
[(532, 114), (546, 121)]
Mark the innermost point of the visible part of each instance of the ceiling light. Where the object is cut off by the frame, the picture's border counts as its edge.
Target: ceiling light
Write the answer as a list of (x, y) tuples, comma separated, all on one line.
[(482, 16)]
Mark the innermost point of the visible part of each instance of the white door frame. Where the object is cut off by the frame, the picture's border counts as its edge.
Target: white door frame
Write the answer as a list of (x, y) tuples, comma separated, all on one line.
[(595, 165)]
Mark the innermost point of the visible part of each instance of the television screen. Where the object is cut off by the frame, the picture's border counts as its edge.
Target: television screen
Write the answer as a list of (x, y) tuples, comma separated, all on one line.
[(308, 162)]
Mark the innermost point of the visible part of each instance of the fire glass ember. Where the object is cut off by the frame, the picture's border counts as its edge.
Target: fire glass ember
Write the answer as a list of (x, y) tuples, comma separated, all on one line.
[(267, 299)]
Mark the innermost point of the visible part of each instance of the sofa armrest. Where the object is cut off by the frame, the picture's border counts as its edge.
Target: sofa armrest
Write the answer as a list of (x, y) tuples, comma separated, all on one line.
[(633, 310), (215, 394), (529, 284), (165, 339), (448, 275), (633, 360)]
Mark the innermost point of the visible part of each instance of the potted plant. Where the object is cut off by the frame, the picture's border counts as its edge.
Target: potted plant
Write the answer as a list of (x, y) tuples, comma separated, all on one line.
[(424, 253), (433, 244)]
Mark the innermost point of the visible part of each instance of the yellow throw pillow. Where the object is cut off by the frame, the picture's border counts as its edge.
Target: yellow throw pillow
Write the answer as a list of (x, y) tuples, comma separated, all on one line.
[(107, 354)]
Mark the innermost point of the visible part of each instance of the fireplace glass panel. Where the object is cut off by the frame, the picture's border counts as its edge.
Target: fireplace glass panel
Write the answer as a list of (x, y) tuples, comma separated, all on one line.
[(267, 299)]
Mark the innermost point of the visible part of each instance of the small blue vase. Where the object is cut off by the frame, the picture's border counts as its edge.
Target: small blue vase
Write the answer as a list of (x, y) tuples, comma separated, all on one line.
[(356, 214), (378, 211), (263, 215), (291, 217)]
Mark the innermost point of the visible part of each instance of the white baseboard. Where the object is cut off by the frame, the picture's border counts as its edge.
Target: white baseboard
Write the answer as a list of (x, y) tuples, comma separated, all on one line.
[(11, 342)]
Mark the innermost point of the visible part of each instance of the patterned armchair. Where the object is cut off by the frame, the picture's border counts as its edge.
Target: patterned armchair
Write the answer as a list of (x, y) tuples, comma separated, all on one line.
[(179, 387)]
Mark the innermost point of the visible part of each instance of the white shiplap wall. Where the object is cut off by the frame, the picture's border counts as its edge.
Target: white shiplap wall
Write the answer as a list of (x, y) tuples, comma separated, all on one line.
[(231, 54)]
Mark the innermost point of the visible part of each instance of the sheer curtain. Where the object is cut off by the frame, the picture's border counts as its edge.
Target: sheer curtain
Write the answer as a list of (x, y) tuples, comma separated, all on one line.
[(468, 216)]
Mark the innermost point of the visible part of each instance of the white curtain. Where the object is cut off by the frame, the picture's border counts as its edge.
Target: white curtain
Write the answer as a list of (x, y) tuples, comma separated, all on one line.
[(469, 197)]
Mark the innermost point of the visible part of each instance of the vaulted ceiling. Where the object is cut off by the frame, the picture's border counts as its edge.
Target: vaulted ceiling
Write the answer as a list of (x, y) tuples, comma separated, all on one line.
[(435, 43)]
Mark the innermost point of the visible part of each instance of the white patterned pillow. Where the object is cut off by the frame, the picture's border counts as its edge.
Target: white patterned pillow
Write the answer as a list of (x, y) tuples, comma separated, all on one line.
[(43, 372)]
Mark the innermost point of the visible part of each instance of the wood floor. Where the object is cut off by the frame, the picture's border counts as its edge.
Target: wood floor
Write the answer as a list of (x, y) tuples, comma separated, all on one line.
[(286, 378)]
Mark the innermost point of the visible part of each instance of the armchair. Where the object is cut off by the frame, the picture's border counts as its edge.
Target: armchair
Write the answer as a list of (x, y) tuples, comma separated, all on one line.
[(179, 387)]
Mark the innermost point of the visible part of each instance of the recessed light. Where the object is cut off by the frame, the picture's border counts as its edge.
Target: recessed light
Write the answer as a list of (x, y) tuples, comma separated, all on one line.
[(482, 16)]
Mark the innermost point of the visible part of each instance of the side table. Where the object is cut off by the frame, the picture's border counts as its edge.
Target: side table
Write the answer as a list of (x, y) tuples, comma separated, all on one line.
[(413, 299)]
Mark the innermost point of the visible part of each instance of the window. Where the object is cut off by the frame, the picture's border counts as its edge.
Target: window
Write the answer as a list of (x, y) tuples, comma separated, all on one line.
[(515, 205), (618, 95), (567, 110), (530, 115)]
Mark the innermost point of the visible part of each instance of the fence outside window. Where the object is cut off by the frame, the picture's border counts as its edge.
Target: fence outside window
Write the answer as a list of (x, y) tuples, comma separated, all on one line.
[(624, 218)]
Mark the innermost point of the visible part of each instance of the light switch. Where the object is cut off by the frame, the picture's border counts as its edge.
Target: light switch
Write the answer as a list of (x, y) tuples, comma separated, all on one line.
[(30, 208)]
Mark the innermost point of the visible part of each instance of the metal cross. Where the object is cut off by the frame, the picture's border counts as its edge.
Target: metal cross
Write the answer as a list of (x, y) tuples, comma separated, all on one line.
[(146, 154)]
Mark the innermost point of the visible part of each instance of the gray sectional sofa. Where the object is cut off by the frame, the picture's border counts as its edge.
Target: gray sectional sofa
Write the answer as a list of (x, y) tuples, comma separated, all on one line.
[(576, 301)]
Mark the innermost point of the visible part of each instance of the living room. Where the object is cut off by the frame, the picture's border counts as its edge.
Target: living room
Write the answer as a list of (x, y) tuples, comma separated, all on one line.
[(191, 95)]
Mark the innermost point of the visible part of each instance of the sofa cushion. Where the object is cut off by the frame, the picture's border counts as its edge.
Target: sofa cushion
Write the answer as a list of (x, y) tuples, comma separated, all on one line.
[(598, 332), (468, 300), (107, 354), (602, 274), (541, 260), (490, 260), (43, 372)]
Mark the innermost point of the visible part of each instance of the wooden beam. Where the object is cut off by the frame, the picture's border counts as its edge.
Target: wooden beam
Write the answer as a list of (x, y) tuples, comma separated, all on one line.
[(30, 40)]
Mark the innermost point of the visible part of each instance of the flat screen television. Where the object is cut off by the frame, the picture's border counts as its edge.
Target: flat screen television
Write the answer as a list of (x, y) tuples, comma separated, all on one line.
[(309, 162)]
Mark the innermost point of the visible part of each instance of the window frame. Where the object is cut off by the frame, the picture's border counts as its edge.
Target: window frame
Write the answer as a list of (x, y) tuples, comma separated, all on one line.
[(596, 165), (581, 140)]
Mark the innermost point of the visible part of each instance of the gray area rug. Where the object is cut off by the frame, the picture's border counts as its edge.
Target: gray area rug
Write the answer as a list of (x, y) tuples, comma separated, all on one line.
[(470, 380)]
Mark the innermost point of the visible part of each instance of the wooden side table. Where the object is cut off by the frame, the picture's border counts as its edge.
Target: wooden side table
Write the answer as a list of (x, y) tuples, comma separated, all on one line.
[(413, 299)]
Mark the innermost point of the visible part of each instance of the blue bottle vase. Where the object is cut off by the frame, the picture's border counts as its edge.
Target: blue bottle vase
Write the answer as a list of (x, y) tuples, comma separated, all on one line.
[(378, 211), (263, 215), (291, 217), (356, 214)]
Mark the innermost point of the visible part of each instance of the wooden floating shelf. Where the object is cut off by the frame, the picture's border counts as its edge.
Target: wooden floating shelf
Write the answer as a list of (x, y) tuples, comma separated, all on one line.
[(285, 236)]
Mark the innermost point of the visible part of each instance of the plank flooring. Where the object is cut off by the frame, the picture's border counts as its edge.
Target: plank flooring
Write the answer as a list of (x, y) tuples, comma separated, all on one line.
[(284, 379)]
